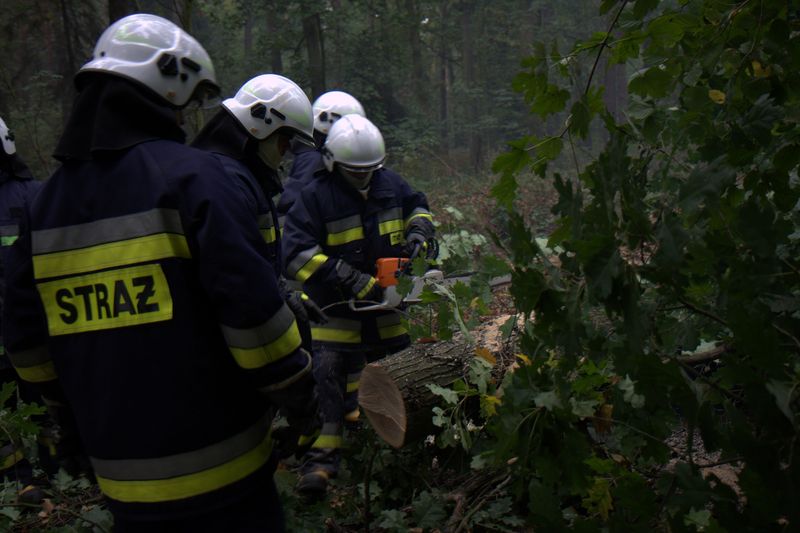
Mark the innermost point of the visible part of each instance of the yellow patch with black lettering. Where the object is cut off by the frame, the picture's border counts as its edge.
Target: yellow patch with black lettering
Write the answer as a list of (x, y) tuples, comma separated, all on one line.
[(396, 237), (106, 300)]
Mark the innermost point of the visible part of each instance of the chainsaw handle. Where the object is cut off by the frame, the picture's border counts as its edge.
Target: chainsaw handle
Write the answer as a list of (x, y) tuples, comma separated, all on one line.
[(391, 300)]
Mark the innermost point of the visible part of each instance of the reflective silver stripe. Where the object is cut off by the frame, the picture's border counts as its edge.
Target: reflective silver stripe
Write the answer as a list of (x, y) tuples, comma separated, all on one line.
[(281, 220), (301, 259), (30, 358), (353, 378), (288, 381), (262, 335), (107, 230), (293, 285), (265, 222), (343, 224), (393, 213), (388, 320), (9, 231), (182, 464)]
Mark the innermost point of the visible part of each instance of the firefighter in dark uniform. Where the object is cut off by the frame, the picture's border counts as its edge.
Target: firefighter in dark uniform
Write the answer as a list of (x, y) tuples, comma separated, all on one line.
[(353, 213), (249, 136), (17, 188), (327, 109), (144, 292)]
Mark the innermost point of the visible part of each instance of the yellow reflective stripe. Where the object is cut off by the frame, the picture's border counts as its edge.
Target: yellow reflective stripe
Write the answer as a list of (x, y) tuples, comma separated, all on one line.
[(251, 358), (268, 234), (328, 441), (11, 459), (113, 254), (352, 386), (176, 488), (392, 331), (363, 292), (343, 237), (38, 373), (309, 268), (415, 215), (106, 300), (335, 335), (303, 440), (390, 226)]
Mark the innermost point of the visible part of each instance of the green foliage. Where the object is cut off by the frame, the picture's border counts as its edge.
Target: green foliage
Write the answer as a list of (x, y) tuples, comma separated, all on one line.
[(682, 233)]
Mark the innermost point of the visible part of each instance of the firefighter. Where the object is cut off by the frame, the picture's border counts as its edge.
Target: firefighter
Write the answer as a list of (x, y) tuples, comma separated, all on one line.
[(145, 293), (249, 136), (354, 212), (17, 188), (327, 109)]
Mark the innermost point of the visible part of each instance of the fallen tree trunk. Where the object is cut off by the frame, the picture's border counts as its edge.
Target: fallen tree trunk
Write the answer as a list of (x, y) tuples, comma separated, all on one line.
[(394, 393)]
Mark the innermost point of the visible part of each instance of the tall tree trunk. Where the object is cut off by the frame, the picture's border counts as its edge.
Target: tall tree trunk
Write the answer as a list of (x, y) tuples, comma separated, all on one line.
[(276, 57), (121, 8), (415, 44), (68, 63), (444, 83), (248, 35), (472, 83), (312, 31)]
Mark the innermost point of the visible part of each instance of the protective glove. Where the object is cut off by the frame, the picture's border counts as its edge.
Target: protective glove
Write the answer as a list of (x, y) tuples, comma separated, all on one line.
[(362, 286), (299, 406), (420, 233), (304, 308)]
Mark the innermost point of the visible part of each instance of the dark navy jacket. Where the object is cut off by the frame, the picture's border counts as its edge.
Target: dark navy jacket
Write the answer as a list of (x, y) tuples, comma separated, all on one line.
[(16, 193), (307, 161), (331, 221), (147, 292)]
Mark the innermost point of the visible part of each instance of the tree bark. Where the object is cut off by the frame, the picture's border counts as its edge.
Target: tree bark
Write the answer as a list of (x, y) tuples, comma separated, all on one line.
[(276, 56), (471, 79), (444, 80), (312, 32), (121, 8), (409, 372), (415, 45)]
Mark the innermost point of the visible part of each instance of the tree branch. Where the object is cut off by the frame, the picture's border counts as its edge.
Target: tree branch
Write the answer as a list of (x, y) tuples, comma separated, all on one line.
[(603, 46)]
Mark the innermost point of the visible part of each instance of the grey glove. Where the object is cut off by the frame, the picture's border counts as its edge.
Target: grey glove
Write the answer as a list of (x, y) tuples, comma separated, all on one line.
[(304, 308), (362, 286), (420, 234)]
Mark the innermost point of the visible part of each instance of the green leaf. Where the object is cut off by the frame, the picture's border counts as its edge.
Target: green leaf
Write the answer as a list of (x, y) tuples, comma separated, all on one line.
[(782, 391), (428, 511), (505, 190), (627, 386), (699, 519), (393, 520), (549, 400), (643, 7), (552, 100), (655, 81), (583, 408), (449, 396)]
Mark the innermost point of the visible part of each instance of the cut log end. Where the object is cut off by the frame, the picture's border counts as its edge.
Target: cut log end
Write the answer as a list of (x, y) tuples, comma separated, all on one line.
[(382, 402)]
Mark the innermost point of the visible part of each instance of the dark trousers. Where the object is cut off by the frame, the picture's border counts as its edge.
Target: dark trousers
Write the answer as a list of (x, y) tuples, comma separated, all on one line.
[(337, 374), (260, 512)]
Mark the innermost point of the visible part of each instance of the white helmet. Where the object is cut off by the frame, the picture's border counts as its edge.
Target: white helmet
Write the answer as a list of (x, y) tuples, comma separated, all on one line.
[(158, 54), (7, 138), (355, 144), (270, 102), (332, 106)]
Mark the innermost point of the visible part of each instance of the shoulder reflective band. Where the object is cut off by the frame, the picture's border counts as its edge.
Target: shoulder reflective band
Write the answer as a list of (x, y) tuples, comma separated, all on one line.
[(306, 263), (267, 228), (338, 330), (186, 474), (329, 437), (344, 230), (106, 300), (34, 365), (390, 326), (419, 212), (390, 220), (107, 243), (8, 234), (271, 341), (9, 456)]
